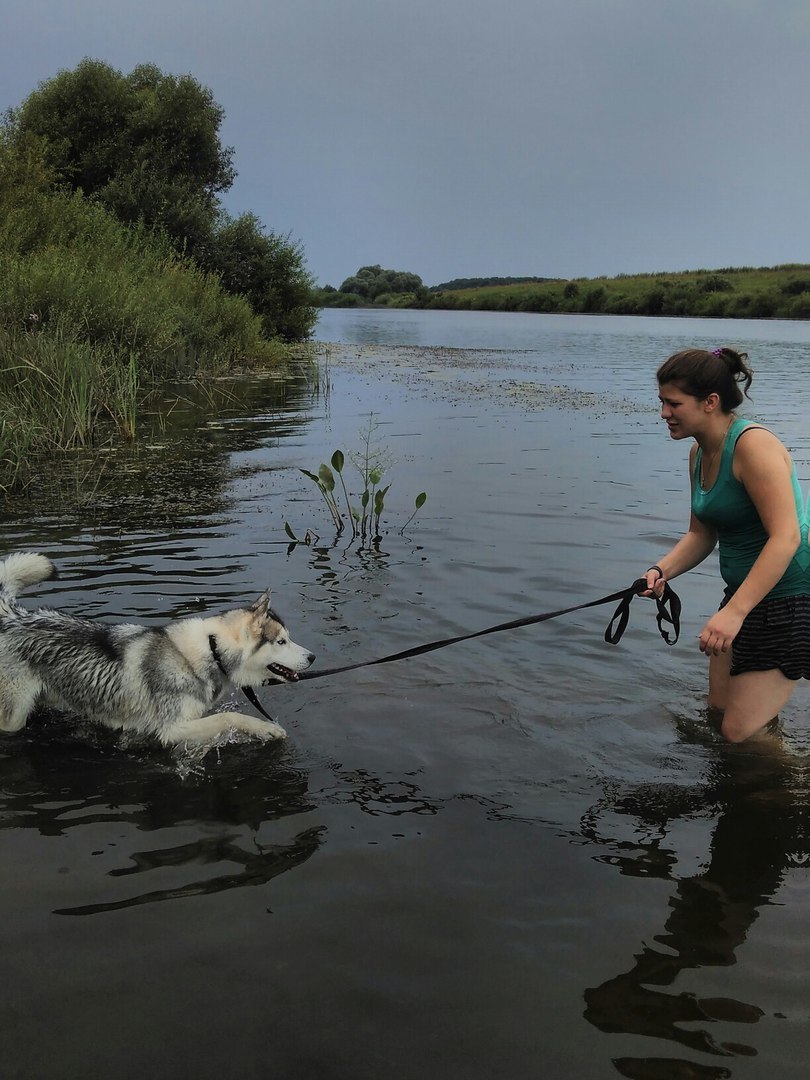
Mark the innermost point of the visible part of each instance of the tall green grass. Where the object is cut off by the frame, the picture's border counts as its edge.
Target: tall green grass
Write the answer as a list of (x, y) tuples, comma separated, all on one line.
[(91, 312), (54, 391)]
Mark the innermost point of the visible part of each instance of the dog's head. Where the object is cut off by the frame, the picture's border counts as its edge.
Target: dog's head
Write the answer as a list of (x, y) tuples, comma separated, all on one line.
[(267, 653)]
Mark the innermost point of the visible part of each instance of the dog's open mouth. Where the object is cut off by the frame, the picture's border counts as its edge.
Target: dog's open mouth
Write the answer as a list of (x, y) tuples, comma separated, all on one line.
[(283, 672)]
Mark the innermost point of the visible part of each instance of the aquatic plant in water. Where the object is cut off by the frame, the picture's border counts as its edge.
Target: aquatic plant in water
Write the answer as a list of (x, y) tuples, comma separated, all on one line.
[(364, 516)]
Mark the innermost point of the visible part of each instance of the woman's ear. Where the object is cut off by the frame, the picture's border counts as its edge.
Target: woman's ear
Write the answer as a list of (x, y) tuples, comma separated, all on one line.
[(712, 402)]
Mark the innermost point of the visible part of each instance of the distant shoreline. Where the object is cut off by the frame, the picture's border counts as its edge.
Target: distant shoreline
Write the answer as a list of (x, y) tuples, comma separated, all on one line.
[(781, 292)]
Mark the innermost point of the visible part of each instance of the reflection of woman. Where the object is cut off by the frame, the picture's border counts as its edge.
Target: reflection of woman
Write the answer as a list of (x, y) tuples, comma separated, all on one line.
[(744, 494), (666, 992)]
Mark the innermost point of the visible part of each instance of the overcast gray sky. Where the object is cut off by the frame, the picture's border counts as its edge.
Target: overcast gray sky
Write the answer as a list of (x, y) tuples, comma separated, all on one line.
[(461, 138)]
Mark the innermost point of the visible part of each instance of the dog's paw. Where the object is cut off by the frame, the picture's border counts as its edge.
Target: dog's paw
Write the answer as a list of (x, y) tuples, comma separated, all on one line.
[(270, 730), (224, 727)]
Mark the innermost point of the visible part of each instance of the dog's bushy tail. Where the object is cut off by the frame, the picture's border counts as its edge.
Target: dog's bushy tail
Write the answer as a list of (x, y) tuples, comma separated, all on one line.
[(25, 568)]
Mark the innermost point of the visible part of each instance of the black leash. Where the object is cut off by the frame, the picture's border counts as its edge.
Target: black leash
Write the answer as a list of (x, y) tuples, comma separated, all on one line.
[(668, 614)]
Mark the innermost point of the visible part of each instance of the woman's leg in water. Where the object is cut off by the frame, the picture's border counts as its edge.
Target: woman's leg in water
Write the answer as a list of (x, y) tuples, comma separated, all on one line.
[(747, 702)]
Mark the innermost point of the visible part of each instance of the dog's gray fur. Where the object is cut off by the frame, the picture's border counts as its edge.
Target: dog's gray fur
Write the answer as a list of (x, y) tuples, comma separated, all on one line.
[(161, 682)]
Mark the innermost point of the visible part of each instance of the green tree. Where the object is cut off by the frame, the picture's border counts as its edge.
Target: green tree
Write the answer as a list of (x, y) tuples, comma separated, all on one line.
[(362, 283), (267, 269), (372, 282), (23, 168), (146, 145)]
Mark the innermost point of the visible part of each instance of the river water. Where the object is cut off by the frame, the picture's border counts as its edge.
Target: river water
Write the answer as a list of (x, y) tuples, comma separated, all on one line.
[(525, 855)]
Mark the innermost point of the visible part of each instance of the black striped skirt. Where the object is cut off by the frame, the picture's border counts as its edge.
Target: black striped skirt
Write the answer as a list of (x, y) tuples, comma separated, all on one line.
[(775, 634)]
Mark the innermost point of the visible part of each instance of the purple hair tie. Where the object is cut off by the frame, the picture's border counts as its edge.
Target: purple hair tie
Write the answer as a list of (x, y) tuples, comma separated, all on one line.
[(718, 352)]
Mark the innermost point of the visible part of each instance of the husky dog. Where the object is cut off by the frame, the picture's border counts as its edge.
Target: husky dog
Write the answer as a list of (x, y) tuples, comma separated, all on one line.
[(161, 682)]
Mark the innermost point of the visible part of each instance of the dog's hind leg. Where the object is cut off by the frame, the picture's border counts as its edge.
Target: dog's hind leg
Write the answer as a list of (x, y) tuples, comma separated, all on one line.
[(206, 728), (17, 702)]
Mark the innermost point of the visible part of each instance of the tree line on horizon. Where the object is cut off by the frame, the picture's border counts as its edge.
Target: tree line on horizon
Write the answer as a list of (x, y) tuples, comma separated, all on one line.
[(387, 288), (732, 292)]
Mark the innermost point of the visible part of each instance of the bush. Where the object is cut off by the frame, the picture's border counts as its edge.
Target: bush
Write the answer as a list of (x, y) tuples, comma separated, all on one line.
[(71, 265), (714, 283), (799, 307), (763, 306), (340, 300), (716, 306), (796, 286), (622, 305), (268, 270), (653, 303), (539, 302), (594, 299)]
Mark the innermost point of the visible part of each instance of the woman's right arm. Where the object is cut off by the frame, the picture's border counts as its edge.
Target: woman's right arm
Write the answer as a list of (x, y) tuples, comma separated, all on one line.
[(693, 547)]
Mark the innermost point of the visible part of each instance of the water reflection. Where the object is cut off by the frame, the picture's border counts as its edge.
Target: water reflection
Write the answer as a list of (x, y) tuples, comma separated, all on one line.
[(759, 794), (258, 868), (226, 824), (176, 474), (237, 806)]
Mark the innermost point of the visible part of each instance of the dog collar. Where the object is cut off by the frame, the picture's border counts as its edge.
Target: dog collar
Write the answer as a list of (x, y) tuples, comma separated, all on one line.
[(246, 690), (212, 645)]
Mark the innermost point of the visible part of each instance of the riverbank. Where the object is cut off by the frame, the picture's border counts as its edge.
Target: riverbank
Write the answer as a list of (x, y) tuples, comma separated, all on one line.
[(781, 292), (96, 309), (93, 314)]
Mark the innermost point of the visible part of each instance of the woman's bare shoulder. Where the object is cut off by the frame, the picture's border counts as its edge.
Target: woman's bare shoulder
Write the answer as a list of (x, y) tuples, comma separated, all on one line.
[(757, 445)]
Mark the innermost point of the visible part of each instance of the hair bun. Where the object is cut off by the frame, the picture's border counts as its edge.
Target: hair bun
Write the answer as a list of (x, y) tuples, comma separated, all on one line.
[(736, 361), (696, 372)]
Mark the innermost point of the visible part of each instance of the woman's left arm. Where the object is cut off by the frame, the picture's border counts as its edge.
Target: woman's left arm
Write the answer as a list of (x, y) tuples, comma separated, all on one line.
[(764, 468)]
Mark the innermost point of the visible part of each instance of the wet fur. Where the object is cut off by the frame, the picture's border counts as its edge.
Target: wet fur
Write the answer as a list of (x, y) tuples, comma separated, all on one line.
[(161, 682)]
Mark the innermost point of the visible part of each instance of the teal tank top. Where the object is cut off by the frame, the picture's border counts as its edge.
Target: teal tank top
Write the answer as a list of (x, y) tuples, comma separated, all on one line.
[(740, 532)]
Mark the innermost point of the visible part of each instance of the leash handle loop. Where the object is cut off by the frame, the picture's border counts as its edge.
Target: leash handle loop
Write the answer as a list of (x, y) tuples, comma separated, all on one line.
[(668, 611), (621, 616)]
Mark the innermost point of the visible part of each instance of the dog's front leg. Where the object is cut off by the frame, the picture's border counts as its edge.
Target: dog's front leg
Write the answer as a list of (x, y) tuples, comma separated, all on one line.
[(206, 728)]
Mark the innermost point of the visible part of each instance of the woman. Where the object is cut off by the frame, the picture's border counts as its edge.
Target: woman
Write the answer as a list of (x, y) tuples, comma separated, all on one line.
[(746, 496)]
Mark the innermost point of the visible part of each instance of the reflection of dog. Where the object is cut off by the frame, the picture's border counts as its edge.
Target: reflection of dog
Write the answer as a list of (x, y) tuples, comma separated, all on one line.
[(159, 682)]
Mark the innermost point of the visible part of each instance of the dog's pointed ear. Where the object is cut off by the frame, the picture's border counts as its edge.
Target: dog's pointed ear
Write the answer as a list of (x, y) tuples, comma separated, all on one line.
[(262, 605)]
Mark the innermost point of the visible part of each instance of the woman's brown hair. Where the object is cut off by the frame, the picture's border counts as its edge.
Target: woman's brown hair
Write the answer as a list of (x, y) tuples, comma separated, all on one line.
[(699, 373)]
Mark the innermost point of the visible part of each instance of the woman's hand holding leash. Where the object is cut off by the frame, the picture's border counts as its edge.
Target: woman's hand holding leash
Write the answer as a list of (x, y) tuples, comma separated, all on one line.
[(656, 582)]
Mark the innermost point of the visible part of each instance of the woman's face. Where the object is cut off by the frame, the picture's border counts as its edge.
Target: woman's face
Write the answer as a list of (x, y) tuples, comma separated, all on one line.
[(684, 414)]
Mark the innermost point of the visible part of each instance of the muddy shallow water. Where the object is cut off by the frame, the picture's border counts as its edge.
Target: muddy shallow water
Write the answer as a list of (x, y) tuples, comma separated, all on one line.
[(521, 856)]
